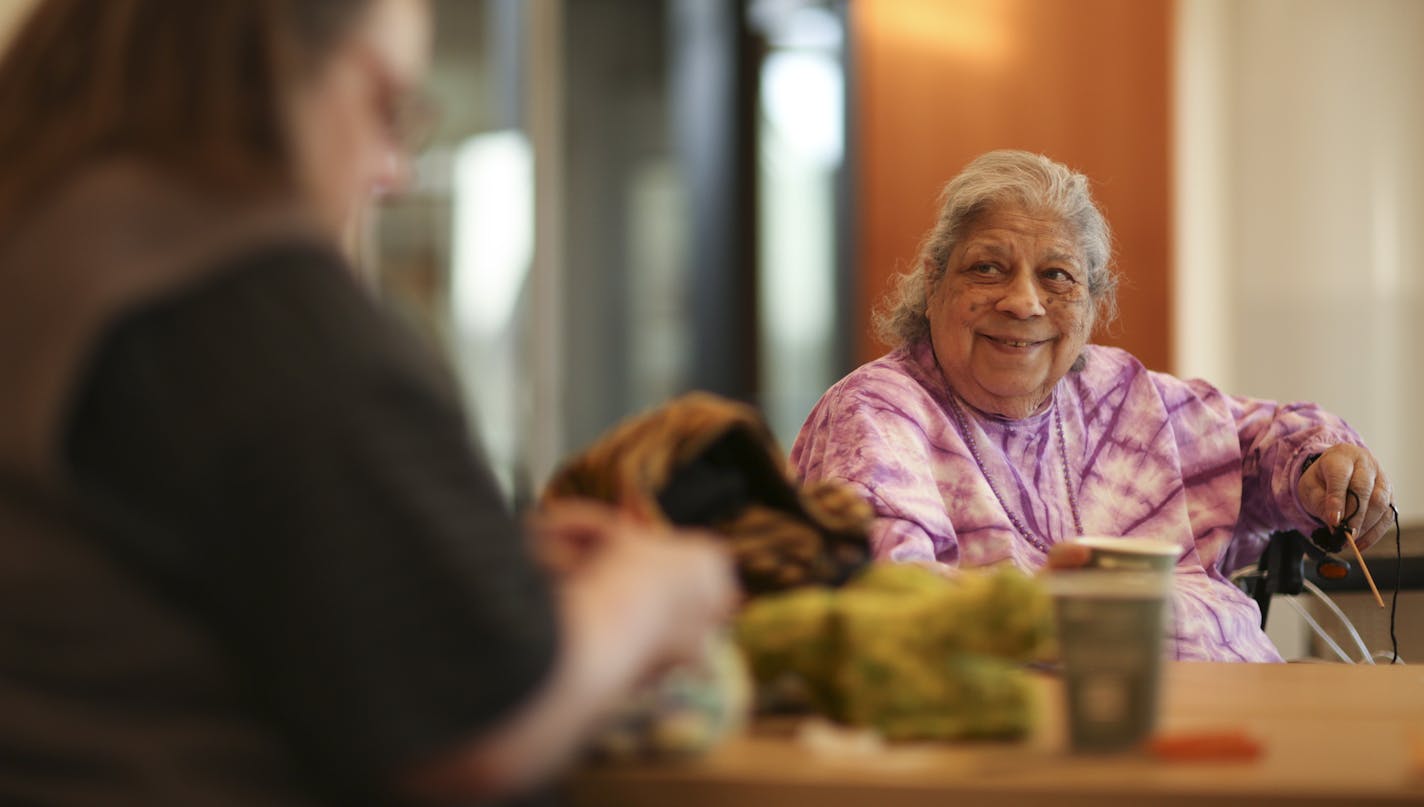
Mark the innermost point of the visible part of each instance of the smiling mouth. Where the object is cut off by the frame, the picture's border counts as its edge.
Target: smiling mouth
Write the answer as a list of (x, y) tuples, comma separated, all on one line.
[(1014, 342)]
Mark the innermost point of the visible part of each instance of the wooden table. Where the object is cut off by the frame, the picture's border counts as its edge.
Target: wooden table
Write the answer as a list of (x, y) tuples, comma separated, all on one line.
[(1333, 734)]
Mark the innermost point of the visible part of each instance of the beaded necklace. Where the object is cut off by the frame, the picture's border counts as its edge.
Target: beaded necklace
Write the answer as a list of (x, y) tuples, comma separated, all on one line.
[(978, 460)]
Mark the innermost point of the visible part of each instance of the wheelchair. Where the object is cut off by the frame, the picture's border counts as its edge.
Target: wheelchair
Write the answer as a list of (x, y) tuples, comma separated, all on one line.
[(1282, 569)]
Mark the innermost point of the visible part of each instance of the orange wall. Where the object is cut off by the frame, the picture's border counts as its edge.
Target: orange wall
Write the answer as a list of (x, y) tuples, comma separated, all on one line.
[(1083, 81)]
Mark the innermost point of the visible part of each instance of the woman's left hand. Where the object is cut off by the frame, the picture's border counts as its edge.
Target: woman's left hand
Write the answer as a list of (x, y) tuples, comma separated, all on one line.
[(1347, 467)]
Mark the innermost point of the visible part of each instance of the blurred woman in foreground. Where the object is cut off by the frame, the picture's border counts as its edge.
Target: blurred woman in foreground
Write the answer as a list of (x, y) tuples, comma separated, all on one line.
[(250, 557)]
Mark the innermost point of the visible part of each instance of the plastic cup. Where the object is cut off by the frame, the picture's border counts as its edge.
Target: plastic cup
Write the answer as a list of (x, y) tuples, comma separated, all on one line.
[(1110, 641), (1131, 554)]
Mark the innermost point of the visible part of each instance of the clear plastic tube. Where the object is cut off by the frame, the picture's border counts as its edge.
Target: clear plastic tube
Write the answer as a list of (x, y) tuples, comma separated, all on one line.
[(1319, 631), (1344, 620)]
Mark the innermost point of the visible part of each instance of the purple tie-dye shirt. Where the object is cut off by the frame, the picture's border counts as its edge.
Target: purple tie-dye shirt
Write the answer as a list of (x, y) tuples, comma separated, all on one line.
[(1148, 455)]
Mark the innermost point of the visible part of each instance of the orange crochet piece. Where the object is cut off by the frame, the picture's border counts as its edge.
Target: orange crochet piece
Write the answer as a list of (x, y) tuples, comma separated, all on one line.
[(1204, 746)]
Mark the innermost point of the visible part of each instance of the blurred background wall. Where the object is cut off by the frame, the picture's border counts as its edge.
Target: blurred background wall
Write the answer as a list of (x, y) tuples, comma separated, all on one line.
[(1300, 211), (939, 82), (1299, 231)]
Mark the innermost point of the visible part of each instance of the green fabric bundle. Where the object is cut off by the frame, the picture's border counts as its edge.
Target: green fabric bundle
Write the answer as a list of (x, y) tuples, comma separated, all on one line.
[(904, 650)]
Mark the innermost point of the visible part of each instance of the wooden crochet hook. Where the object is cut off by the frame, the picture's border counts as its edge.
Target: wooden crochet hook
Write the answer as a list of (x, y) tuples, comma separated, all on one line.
[(1350, 536)]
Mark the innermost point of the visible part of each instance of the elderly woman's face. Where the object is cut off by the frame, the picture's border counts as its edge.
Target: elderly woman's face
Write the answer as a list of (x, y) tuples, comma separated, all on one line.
[(1012, 312)]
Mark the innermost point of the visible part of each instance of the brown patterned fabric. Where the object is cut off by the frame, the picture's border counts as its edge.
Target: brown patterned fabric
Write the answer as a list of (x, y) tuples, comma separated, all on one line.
[(705, 461)]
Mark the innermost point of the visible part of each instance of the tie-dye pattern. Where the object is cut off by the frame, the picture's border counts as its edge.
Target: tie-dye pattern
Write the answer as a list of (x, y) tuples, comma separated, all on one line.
[(1148, 455)]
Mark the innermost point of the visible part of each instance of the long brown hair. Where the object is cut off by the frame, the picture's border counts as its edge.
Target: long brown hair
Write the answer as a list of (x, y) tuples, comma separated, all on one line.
[(197, 86)]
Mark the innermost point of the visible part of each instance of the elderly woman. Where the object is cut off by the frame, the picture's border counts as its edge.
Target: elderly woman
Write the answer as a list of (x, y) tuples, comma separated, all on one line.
[(995, 431)]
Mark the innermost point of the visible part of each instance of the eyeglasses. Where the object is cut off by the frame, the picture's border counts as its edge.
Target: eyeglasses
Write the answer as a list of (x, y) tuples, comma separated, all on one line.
[(410, 115)]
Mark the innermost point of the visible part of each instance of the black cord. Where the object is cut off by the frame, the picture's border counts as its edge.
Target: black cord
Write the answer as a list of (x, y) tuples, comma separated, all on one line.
[(1398, 573), (1350, 494)]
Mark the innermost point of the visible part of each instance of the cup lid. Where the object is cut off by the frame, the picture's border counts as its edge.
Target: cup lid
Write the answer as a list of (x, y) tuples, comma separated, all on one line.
[(1129, 544), (1107, 584)]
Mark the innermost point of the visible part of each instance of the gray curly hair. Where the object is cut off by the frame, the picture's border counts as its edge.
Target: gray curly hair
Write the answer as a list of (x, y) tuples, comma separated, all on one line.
[(1000, 178)]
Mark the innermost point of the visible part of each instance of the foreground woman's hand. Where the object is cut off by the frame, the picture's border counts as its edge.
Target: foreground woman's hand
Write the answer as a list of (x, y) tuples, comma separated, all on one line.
[(632, 599), (685, 577), (1322, 490), (1069, 555)]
